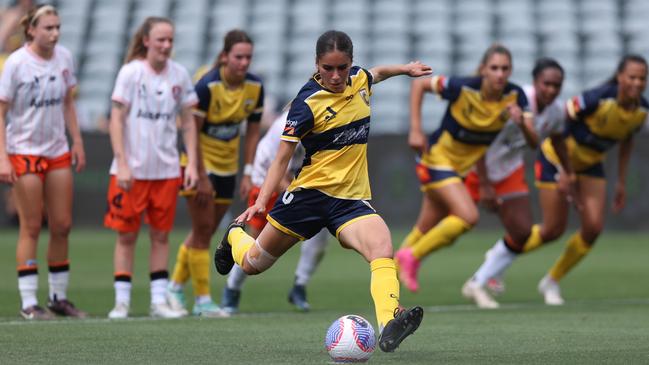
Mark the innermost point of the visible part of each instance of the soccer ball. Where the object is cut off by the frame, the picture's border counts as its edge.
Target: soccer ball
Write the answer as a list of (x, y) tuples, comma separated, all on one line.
[(350, 339)]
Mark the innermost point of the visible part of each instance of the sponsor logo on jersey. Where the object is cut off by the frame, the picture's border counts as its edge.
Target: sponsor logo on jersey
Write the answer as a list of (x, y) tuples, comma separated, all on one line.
[(145, 114)]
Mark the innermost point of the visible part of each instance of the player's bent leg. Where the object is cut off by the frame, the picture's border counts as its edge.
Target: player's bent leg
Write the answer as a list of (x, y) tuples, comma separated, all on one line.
[(554, 208)]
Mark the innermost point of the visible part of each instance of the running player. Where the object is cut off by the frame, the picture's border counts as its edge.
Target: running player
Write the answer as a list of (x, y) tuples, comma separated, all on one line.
[(151, 91), (312, 249), (330, 116), (478, 109), (598, 119), (228, 95), (36, 106), (504, 187)]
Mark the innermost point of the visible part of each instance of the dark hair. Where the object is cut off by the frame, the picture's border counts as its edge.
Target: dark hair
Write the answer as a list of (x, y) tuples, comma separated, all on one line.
[(334, 40), (231, 38), (32, 16), (495, 48), (544, 63), (622, 65), (137, 49)]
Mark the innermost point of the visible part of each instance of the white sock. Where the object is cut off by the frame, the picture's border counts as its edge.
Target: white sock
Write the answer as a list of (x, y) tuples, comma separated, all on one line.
[(58, 284), (310, 255), (202, 299), (28, 285), (495, 264), (159, 291), (236, 278), (122, 292)]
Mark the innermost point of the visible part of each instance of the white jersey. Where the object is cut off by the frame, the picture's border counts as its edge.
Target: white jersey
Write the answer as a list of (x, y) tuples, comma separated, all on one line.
[(505, 155), (267, 150), (35, 89), (154, 100)]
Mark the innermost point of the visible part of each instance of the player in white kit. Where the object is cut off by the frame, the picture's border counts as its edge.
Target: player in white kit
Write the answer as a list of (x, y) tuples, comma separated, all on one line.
[(503, 188), (36, 106), (312, 249), (151, 91)]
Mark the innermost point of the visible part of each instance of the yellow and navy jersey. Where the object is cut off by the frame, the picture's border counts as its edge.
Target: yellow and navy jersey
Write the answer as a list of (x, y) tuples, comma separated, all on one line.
[(223, 110), (470, 123), (596, 122), (333, 128)]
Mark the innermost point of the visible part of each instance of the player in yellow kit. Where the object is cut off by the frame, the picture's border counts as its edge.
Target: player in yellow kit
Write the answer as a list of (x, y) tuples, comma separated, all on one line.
[(331, 118), (228, 95)]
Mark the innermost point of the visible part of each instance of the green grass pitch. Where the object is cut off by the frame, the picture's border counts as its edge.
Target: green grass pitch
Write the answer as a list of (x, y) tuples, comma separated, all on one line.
[(605, 320)]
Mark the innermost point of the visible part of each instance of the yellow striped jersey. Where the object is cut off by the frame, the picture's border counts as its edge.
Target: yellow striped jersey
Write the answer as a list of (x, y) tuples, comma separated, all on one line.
[(596, 122), (224, 109), (470, 123), (333, 128)]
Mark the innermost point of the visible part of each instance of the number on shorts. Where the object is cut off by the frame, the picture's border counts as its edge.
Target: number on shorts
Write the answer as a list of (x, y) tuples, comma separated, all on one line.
[(287, 198)]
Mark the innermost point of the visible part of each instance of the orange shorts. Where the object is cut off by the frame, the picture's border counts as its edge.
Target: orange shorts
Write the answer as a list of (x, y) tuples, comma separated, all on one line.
[(39, 165), (157, 197), (511, 186), (259, 220)]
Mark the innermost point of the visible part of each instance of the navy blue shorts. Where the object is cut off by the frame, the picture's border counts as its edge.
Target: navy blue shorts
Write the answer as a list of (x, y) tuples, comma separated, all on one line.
[(303, 213), (547, 174)]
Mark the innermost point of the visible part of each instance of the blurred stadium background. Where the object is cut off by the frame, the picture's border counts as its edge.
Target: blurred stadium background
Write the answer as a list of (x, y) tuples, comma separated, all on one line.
[(586, 36)]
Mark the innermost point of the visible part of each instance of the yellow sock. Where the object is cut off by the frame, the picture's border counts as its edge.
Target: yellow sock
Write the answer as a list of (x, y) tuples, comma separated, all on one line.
[(412, 238), (443, 234), (199, 268), (181, 269), (241, 243), (535, 240), (576, 249), (384, 287)]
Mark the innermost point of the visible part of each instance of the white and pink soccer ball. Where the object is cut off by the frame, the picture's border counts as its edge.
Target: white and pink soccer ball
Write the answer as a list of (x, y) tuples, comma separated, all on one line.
[(350, 339)]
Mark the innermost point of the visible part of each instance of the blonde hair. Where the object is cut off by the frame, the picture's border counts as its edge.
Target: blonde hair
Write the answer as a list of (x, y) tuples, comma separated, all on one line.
[(32, 16), (496, 48), (137, 49)]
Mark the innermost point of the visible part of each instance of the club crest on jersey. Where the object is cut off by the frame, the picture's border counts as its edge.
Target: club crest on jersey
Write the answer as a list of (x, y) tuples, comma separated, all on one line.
[(365, 96), (175, 91), (249, 105)]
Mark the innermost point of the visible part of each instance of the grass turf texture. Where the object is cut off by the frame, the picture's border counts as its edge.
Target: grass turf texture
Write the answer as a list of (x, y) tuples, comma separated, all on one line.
[(605, 320)]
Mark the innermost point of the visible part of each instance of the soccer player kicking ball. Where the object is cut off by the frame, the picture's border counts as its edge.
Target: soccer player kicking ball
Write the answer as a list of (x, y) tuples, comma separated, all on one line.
[(330, 117)]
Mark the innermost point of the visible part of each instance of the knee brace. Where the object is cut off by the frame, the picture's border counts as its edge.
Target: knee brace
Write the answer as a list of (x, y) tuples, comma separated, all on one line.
[(262, 260)]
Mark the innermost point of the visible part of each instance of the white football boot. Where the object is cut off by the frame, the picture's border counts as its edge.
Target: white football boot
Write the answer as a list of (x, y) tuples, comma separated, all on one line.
[(551, 291)]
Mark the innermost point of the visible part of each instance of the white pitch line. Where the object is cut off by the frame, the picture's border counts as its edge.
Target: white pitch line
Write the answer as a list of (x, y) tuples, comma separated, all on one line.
[(432, 309)]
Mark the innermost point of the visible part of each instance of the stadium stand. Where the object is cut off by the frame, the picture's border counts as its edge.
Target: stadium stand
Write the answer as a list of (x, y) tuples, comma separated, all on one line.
[(587, 37)]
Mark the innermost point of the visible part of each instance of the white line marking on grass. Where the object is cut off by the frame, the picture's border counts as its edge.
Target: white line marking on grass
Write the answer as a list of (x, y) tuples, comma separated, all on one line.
[(437, 309)]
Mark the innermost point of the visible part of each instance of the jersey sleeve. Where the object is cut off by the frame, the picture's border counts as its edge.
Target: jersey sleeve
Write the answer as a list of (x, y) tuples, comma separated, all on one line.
[(522, 102), (582, 105), (125, 85), (189, 97), (299, 122), (204, 96), (70, 71), (448, 88), (8, 82), (255, 116), (370, 79)]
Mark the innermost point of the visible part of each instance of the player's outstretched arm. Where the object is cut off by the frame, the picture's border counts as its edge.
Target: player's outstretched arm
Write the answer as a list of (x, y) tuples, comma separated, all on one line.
[(619, 199), (412, 69), (275, 174)]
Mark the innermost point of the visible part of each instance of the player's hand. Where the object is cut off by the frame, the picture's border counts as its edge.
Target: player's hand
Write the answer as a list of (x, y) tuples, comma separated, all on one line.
[(619, 199), (417, 141), (245, 187), (204, 191), (124, 178), (488, 197), (515, 113), (257, 208), (7, 172), (416, 69), (568, 186), (78, 156), (191, 177)]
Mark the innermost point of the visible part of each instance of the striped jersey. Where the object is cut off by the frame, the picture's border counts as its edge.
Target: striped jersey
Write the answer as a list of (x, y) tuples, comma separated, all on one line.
[(35, 89), (596, 123), (333, 128), (154, 101)]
